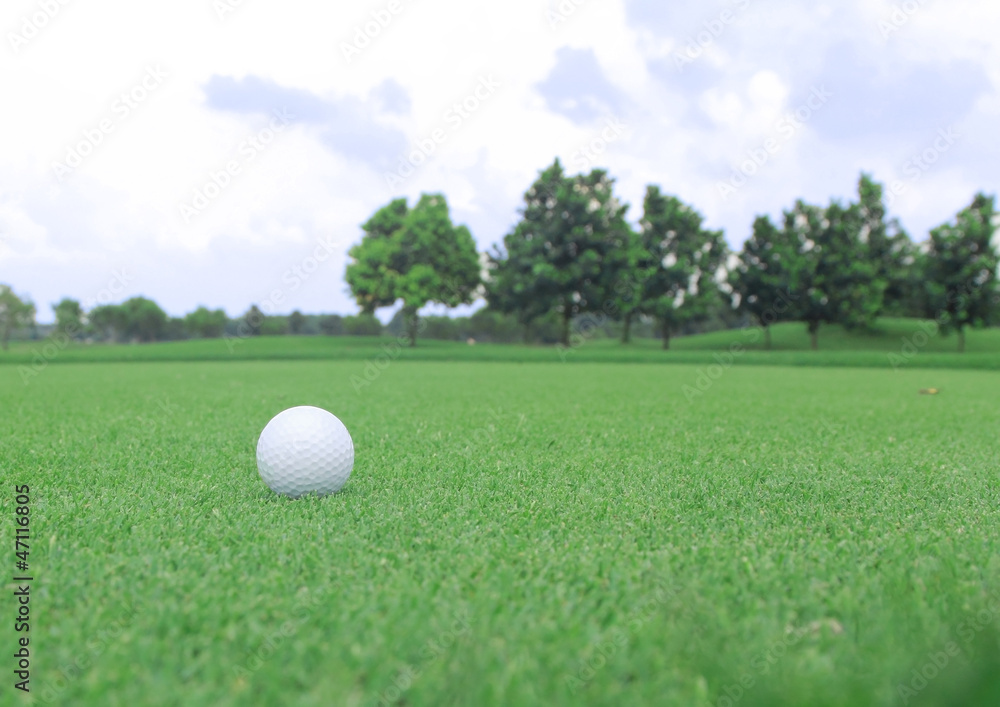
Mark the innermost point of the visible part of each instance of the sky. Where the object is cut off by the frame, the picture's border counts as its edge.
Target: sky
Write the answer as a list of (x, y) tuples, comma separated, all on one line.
[(226, 152)]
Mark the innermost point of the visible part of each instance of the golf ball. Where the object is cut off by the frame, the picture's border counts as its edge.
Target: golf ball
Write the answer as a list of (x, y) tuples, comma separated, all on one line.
[(304, 450)]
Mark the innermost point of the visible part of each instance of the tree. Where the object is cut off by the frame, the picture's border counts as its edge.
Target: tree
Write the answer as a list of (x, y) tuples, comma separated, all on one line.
[(376, 261), (175, 330), (960, 270), (889, 248), (830, 270), (510, 288), (761, 278), (626, 269), (803, 230), (845, 272), (274, 325), (362, 325), (415, 255), (206, 323), (15, 312), (108, 321), (490, 325), (686, 263), (69, 316), (296, 322), (144, 320), (332, 325), (554, 258), (252, 321)]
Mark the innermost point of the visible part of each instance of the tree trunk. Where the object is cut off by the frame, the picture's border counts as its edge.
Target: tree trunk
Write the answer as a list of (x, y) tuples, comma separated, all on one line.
[(627, 329), (814, 339), (565, 328), (666, 335), (961, 339), (767, 338)]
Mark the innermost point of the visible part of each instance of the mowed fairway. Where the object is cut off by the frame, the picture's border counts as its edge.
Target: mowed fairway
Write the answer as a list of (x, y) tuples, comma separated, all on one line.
[(512, 534)]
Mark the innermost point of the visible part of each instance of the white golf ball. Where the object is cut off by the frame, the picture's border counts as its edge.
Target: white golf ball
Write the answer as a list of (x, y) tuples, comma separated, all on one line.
[(304, 450)]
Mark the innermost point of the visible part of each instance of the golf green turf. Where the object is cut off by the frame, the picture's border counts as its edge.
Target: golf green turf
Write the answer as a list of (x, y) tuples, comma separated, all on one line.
[(512, 534)]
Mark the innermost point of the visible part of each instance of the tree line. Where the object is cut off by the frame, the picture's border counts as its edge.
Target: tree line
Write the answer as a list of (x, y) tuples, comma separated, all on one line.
[(574, 256), (573, 253), (140, 319)]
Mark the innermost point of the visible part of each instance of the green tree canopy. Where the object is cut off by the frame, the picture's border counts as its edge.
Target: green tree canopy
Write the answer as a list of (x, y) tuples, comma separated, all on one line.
[(206, 323), (555, 257), (960, 269), (889, 248), (15, 312), (832, 278), (761, 278), (625, 270), (807, 230), (69, 316), (252, 321), (143, 318), (686, 262), (415, 255), (332, 325), (107, 321)]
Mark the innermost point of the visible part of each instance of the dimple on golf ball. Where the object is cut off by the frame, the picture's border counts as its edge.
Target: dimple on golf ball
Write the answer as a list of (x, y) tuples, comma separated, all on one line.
[(305, 450)]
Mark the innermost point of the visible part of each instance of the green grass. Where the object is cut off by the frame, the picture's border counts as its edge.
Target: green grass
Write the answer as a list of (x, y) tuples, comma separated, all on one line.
[(888, 336), (512, 534), (896, 343)]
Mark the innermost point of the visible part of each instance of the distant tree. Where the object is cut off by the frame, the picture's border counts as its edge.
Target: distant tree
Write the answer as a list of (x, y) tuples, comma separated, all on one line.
[(206, 323), (831, 272), (397, 324), (960, 270), (377, 263), (296, 323), (889, 247), (175, 329), (107, 321), (761, 278), (144, 320), (362, 325), (847, 275), (252, 321), (490, 325), (509, 286), (275, 325), (415, 255), (803, 228), (625, 272), (69, 317), (708, 293), (686, 263), (15, 313), (554, 258), (332, 325), (441, 328)]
